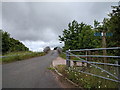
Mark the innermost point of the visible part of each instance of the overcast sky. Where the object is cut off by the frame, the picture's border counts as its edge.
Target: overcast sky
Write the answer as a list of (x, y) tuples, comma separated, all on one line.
[(38, 24)]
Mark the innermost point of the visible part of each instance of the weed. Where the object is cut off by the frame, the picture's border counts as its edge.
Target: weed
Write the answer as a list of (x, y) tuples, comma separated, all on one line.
[(50, 68)]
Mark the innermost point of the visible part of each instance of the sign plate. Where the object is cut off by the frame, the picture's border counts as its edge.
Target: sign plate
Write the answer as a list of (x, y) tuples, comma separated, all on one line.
[(109, 34), (97, 34), (101, 34)]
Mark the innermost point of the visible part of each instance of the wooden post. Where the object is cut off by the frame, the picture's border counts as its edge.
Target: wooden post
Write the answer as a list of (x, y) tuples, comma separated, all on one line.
[(104, 45), (89, 58), (89, 53), (85, 64), (93, 53), (96, 53)]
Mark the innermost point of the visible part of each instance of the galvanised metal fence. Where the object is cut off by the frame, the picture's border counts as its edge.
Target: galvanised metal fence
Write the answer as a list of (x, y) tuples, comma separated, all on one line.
[(111, 67)]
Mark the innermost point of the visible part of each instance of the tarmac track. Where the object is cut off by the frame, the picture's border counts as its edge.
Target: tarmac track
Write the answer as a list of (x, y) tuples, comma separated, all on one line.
[(30, 73)]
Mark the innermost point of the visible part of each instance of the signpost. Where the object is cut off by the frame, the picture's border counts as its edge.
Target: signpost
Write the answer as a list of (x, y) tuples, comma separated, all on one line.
[(103, 35), (104, 45)]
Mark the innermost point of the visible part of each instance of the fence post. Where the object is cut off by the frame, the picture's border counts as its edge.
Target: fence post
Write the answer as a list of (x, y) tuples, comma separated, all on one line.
[(67, 58), (104, 45), (89, 53)]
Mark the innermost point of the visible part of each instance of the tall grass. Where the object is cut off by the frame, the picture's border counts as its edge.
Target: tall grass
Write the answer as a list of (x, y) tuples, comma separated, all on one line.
[(88, 81), (17, 56), (84, 80)]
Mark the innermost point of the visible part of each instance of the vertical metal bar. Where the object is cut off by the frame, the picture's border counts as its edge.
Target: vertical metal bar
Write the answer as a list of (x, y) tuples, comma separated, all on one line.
[(67, 58)]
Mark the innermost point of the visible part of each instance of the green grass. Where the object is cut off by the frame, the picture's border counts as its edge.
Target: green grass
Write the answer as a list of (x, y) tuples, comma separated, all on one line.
[(72, 57), (88, 81), (84, 80), (63, 55), (50, 68), (17, 56)]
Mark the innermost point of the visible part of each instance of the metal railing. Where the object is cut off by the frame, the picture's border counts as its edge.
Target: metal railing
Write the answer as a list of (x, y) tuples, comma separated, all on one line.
[(115, 78)]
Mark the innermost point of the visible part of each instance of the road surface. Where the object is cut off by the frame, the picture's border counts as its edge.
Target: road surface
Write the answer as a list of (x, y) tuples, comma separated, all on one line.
[(30, 73)]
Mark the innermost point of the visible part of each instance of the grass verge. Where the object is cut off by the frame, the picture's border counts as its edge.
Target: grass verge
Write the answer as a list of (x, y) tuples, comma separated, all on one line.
[(17, 56), (84, 80), (63, 55), (88, 81)]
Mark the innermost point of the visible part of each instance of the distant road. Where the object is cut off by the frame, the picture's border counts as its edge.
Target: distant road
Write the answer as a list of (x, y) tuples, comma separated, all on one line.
[(30, 73)]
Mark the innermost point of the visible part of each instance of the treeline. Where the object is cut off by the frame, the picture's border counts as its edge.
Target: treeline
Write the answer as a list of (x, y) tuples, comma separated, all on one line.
[(81, 35), (10, 44)]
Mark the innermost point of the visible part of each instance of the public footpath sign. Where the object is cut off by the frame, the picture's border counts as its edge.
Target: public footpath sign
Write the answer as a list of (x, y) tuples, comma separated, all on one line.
[(101, 34), (97, 34), (109, 34)]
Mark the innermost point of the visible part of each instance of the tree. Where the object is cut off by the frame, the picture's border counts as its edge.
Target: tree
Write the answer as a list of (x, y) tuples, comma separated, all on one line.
[(10, 44), (78, 36), (114, 26), (5, 42), (0, 42)]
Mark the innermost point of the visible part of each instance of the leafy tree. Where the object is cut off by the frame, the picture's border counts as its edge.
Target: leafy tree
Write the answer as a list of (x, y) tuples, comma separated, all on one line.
[(5, 42), (114, 26), (78, 36), (101, 28), (111, 25), (0, 42), (10, 44)]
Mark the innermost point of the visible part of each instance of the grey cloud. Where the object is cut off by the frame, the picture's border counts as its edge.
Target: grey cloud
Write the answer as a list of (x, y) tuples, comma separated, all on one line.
[(44, 21), (0, 15), (38, 18), (40, 45), (101, 10), (99, 7)]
